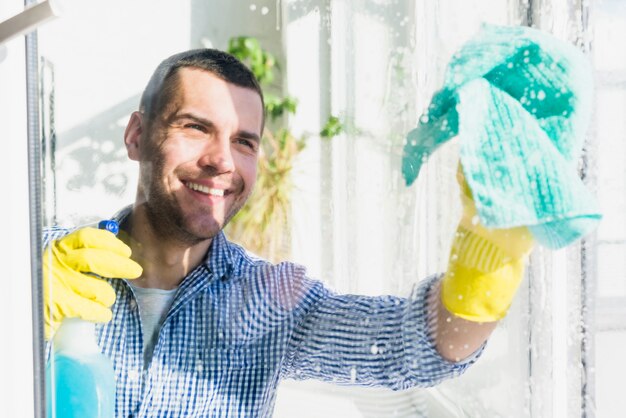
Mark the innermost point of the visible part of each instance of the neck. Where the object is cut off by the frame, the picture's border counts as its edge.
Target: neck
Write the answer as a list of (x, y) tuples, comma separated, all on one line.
[(165, 261)]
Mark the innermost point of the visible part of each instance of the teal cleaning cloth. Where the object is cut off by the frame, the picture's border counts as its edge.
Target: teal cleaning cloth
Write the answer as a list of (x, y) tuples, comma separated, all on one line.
[(519, 101)]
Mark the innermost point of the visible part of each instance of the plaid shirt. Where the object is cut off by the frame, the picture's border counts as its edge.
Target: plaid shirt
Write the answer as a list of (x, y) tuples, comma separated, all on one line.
[(238, 325)]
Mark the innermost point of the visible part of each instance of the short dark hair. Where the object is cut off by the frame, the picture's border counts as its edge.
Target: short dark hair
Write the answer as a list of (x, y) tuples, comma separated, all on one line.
[(158, 93)]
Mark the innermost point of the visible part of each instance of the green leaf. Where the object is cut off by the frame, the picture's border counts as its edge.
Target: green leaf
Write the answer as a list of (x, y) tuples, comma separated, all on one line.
[(248, 50), (276, 107), (332, 128)]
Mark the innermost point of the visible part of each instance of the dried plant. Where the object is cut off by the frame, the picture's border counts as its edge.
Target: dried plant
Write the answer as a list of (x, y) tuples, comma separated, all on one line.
[(263, 225)]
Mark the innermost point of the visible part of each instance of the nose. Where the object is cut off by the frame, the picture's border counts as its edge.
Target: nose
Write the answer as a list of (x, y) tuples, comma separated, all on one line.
[(217, 156)]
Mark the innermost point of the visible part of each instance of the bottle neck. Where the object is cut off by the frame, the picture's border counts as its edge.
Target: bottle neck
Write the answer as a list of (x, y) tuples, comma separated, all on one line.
[(76, 335)]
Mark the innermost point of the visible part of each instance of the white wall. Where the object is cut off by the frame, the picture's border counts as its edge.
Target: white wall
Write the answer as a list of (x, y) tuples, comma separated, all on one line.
[(103, 53), (16, 359)]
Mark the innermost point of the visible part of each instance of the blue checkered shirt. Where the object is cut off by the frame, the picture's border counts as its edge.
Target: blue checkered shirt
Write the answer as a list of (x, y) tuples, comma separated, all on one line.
[(239, 325)]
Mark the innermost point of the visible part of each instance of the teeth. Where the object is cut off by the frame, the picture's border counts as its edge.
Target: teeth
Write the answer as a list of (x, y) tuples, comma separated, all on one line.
[(205, 189)]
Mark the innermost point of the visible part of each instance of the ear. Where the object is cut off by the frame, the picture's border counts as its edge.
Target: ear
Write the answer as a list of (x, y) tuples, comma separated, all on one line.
[(133, 134)]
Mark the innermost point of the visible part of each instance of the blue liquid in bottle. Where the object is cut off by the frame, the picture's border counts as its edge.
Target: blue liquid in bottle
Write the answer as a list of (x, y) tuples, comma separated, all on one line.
[(80, 379)]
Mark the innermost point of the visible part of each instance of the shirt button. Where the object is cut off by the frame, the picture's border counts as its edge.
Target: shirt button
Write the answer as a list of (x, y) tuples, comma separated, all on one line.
[(133, 304), (133, 375)]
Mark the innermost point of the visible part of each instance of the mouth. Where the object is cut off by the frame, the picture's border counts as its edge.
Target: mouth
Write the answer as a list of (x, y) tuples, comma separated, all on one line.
[(201, 188)]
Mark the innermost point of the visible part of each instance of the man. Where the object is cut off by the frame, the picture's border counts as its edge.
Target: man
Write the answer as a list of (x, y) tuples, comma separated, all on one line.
[(204, 329)]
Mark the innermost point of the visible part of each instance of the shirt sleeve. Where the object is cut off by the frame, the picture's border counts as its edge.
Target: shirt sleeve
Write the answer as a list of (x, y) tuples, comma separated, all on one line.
[(368, 341)]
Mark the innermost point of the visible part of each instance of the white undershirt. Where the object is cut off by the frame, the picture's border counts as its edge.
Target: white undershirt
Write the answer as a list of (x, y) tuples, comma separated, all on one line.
[(153, 307)]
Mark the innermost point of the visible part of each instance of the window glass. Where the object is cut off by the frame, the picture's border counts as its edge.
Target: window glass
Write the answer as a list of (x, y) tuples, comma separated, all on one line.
[(356, 76), (608, 18)]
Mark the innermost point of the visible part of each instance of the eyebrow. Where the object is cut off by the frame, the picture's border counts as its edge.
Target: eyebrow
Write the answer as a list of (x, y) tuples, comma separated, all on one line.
[(242, 134)]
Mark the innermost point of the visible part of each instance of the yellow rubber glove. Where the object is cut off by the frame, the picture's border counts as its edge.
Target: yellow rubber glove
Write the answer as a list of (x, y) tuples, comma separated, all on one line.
[(486, 266), (70, 291)]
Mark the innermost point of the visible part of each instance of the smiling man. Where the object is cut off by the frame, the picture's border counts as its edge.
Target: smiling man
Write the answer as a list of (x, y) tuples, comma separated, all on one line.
[(197, 153), (209, 330)]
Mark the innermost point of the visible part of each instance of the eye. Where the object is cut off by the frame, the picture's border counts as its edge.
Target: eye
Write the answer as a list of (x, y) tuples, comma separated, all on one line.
[(246, 142), (196, 126)]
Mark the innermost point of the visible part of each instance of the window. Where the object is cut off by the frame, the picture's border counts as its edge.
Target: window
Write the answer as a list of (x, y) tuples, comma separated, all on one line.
[(608, 20), (375, 64)]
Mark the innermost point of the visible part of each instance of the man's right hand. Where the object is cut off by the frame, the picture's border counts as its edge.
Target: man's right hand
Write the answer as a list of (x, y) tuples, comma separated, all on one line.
[(71, 289)]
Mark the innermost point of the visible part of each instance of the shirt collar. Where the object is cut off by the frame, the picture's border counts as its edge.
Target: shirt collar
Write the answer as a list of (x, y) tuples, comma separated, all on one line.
[(219, 259)]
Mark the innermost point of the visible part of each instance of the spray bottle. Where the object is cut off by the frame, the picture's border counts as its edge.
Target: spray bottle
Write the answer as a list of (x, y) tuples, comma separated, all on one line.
[(80, 379)]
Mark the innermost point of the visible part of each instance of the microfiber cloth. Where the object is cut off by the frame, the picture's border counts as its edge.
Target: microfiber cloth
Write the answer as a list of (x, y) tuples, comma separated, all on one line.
[(519, 101)]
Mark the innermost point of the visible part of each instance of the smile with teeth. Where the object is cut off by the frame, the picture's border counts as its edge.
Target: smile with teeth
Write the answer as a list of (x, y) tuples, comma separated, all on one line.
[(204, 189)]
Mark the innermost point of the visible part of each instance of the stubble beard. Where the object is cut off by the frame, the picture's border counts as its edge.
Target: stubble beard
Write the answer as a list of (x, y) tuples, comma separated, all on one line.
[(163, 212), (166, 217)]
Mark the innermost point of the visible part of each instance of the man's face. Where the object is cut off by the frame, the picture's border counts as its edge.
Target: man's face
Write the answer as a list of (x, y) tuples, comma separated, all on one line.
[(198, 161)]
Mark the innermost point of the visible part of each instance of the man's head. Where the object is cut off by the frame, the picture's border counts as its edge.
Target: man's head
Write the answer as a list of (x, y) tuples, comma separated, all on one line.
[(196, 138), (162, 85)]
